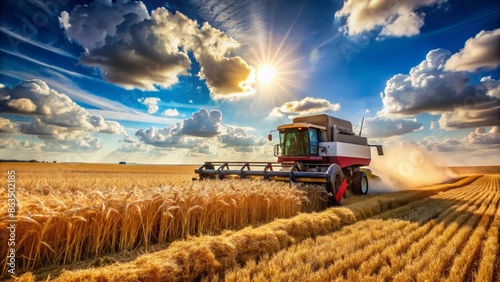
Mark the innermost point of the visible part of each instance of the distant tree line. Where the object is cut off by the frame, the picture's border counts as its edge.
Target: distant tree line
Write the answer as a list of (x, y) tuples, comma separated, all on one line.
[(24, 161), (19, 161)]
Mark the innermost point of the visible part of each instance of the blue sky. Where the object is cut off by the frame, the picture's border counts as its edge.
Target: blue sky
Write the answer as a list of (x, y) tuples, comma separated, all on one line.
[(187, 81)]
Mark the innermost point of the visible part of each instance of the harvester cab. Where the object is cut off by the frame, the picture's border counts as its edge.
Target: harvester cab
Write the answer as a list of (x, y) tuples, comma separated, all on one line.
[(314, 149)]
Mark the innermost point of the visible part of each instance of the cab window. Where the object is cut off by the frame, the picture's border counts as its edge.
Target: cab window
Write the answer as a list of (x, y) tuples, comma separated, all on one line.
[(313, 141)]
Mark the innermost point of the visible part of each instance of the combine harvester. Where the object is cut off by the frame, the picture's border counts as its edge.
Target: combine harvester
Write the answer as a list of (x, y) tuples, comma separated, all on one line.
[(313, 149)]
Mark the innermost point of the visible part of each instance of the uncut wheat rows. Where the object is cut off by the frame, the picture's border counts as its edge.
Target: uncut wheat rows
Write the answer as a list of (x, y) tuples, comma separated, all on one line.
[(452, 236)]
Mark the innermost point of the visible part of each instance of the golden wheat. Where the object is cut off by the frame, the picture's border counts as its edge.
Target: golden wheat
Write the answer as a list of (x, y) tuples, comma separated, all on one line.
[(442, 237), (78, 214), (441, 232), (212, 255)]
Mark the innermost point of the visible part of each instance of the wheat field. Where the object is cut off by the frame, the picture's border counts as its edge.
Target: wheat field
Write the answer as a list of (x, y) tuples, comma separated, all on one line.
[(68, 213), (149, 223)]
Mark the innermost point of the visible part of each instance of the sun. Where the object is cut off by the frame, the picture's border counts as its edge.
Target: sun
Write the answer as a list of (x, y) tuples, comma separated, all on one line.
[(266, 74)]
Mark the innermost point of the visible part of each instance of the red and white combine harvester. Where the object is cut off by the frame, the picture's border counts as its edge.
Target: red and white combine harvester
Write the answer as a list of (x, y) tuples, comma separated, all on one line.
[(313, 149)]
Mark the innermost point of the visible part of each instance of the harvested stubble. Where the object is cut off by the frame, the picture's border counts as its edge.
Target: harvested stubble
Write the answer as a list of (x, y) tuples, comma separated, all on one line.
[(79, 214), (442, 237), (210, 256)]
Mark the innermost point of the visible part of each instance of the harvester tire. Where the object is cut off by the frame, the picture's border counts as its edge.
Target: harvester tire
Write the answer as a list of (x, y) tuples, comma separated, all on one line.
[(359, 183), (334, 180)]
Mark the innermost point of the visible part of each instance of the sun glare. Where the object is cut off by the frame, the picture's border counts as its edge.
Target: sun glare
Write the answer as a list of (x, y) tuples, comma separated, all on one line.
[(266, 74)]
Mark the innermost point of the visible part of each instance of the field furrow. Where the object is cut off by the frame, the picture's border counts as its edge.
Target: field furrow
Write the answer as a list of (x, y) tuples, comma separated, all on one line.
[(442, 258), (437, 240), (451, 228), (414, 244), (467, 258)]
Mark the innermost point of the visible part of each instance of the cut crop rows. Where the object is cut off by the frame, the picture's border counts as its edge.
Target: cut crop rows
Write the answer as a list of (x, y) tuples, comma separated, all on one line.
[(452, 236)]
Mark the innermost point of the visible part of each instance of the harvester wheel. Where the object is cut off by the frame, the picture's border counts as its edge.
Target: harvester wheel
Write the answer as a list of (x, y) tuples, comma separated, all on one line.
[(334, 180), (359, 183)]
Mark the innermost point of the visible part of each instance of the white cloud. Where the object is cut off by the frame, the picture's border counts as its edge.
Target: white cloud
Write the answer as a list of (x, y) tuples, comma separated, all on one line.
[(34, 97), (433, 125), (389, 17), (61, 123), (480, 52), (136, 50), (6, 126), (203, 123), (171, 113), (196, 134), (429, 88), (84, 143), (480, 136), (14, 145), (170, 136), (305, 106), (478, 140), (22, 105), (240, 139), (106, 18), (151, 103), (227, 77), (407, 24), (379, 127)]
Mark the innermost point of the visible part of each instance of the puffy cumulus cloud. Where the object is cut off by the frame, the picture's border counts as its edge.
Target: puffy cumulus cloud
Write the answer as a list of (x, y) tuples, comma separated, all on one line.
[(16, 145), (151, 103), (202, 134), (208, 147), (306, 106), (62, 124), (132, 147), (227, 77), (170, 113), (481, 136), (136, 50), (6, 126), (427, 88), (22, 105), (388, 17), (447, 145), (379, 127), (82, 144), (240, 140), (89, 25), (52, 108), (430, 88), (478, 140), (480, 52), (170, 136), (203, 123)]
